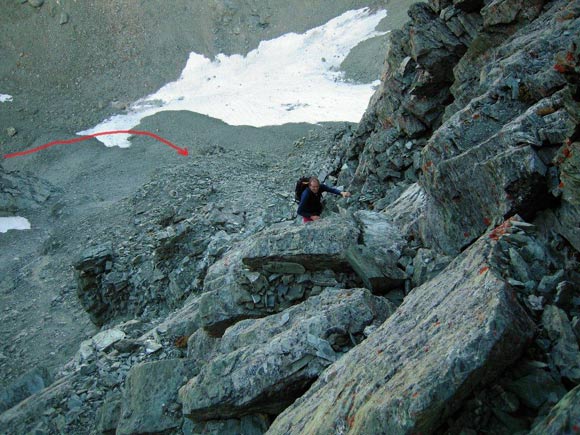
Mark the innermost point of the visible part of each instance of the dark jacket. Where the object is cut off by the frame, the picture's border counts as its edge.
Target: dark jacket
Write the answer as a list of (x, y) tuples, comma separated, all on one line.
[(310, 202)]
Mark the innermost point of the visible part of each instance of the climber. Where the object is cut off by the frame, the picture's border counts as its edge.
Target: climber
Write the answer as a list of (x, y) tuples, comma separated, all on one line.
[(310, 205)]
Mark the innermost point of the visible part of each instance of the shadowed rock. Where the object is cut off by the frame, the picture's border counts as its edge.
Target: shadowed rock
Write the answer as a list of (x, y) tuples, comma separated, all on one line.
[(26, 385), (564, 418)]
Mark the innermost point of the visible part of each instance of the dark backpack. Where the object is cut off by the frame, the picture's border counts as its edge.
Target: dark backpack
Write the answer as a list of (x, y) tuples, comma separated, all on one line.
[(301, 186)]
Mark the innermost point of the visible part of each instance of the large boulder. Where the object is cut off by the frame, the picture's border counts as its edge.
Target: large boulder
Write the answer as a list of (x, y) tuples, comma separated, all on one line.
[(150, 398), (450, 335), (260, 276), (316, 246), (263, 365)]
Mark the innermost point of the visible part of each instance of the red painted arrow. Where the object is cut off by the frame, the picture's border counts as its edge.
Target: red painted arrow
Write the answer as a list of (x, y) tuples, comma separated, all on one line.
[(181, 151)]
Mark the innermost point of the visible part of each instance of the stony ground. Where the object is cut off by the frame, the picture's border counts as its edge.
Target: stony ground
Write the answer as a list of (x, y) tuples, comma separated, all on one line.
[(67, 71)]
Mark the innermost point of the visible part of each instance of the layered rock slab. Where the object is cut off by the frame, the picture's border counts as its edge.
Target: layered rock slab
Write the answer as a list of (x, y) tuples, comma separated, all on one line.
[(232, 294), (450, 335), (263, 365)]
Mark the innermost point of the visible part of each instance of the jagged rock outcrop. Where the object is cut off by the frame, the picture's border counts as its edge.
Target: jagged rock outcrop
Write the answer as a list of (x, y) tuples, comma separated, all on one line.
[(504, 140), (20, 191), (459, 329), (263, 365)]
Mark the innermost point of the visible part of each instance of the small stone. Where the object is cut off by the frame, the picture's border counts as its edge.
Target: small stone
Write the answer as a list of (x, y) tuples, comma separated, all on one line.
[(295, 293), (127, 345), (74, 403), (536, 302), (11, 131), (36, 3), (105, 339), (88, 369), (64, 17), (316, 290), (49, 411), (548, 283), (152, 347)]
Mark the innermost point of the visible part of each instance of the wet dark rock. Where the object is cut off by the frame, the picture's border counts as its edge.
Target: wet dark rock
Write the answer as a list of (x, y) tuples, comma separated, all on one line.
[(563, 418), (565, 293), (537, 388)]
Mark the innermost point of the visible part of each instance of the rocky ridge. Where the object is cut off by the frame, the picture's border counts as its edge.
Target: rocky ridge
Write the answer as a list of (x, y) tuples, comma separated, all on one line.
[(467, 158)]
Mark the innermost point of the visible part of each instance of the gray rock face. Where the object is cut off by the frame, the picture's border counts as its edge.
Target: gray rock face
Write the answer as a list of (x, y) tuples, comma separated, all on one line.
[(568, 215), (459, 330), (509, 11), (490, 159), (263, 365), (150, 398), (563, 418), (406, 108)]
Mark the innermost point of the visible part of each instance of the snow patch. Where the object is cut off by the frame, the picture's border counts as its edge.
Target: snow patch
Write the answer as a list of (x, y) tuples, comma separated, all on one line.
[(293, 78), (5, 98), (13, 223)]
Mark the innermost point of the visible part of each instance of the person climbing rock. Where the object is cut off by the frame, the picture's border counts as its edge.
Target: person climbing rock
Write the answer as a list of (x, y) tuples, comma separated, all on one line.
[(310, 205)]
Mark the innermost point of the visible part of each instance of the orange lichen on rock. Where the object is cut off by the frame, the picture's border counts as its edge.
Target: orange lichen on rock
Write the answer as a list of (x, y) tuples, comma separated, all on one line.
[(500, 230)]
